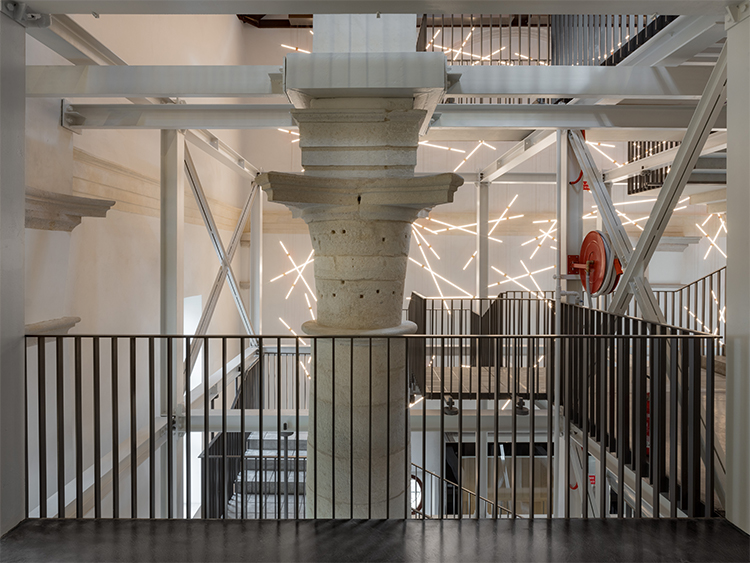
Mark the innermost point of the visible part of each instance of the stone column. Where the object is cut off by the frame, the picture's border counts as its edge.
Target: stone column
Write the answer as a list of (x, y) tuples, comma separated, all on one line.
[(359, 198)]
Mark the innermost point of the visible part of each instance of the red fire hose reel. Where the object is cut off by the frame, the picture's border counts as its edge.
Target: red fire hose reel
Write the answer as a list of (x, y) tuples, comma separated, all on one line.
[(597, 264)]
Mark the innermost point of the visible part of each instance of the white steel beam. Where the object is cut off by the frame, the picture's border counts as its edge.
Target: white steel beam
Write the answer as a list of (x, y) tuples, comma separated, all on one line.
[(177, 116), (687, 155), (578, 82), (680, 41), (478, 119), (149, 81), (738, 272), (222, 152), (483, 117), (12, 211), (221, 275), (715, 143), (532, 145), (675, 7), (172, 302), (213, 232), (614, 227), (482, 266), (475, 81)]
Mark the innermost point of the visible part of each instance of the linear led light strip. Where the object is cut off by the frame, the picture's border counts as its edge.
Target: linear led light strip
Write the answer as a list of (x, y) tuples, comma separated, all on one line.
[(495, 222), (515, 280), (544, 236), (441, 277), (722, 318), (295, 48), (464, 43), (502, 216), (418, 235), (291, 133), (712, 241), (427, 144), (460, 164), (290, 329), (307, 373), (707, 329), (309, 307), (592, 214), (293, 270), (458, 228), (531, 276), (596, 146), (432, 273), (299, 272)]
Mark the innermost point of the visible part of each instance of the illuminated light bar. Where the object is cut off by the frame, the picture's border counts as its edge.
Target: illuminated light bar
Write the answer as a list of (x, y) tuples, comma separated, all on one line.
[(596, 148), (468, 157), (493, 54), (470, 259), (428, 144), (295, 49), (502, 216), (418, 234), (425, 228), (711, 241), (288, 131), (432, 273), (292, 331), (293, 270), (307, 373), (309, 307), (300, 269), (441, 277)]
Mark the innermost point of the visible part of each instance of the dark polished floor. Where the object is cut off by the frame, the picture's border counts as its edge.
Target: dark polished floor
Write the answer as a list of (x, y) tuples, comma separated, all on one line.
[(373, 540)]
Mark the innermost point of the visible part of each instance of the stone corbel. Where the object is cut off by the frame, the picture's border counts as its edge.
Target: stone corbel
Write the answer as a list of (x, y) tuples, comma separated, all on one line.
[(60, 212), (53, 327)]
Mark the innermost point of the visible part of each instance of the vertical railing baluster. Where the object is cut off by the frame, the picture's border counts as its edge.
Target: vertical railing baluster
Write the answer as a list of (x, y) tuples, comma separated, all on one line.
[(709, 451), (133, 437), (243, 435), (97, 428), (673, 428), (188, 430), (42, 421), (170, 427), (206, 464), (78, 391), (151, 428), (278, 433), (60, 395), (224, 468)]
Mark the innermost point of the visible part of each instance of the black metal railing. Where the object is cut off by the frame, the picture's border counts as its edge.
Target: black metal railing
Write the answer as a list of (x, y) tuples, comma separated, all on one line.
[(115, 428), (592, 40), (699, 306), (637, 399)]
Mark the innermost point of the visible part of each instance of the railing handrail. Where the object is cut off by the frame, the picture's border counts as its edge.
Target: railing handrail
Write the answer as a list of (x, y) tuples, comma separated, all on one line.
[(687, 285), (343, 337), (480, 497)]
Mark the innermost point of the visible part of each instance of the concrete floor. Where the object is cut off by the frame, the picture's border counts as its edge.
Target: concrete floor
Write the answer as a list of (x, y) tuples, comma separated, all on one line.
[(375, 540)]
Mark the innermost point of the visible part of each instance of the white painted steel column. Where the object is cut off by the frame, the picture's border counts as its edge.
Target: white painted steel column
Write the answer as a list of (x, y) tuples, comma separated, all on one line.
[(482, 258), (558, 497), (571, 222), (172, 287), (738, 272), (255, 301), (12, 217)]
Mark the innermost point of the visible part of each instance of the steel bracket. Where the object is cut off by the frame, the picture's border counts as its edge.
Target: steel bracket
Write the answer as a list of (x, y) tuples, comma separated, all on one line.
[(20, 13)]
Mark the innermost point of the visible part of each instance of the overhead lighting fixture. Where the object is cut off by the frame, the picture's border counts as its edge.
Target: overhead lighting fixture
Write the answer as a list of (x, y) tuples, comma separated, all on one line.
[(295, 49)]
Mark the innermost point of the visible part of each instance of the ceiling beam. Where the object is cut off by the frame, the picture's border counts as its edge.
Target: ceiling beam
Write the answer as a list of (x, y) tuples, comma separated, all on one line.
[(685, 82), (477, 120), (545, 116), (532, 145), (475, 81), (680, 41), (716, 142), (673, 7)]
